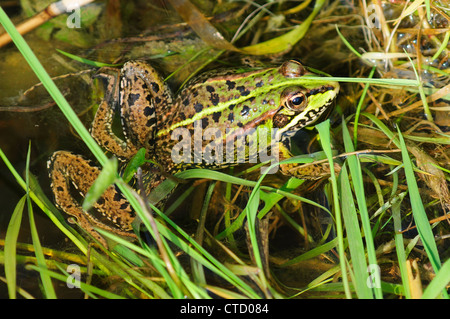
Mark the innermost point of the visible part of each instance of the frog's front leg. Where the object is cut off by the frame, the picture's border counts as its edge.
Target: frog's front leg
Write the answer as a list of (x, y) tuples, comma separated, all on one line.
[(112, 211), (142, 95), (310, 171)]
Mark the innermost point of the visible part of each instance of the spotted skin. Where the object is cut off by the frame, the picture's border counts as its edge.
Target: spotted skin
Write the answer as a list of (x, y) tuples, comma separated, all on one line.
[(234, 101), (68, 169)]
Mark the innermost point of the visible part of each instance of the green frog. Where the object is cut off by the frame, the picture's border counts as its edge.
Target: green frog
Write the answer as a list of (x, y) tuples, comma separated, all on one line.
[(229, 103)]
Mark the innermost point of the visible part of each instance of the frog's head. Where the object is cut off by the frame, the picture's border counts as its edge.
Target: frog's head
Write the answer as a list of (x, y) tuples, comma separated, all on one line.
[(302, 99)]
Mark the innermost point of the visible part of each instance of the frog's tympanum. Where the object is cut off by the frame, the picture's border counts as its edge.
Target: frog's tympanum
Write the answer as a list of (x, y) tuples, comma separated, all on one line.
[(232, 102)]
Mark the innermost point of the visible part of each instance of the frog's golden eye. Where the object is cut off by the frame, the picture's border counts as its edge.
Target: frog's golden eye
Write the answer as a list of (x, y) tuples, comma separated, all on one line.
[(292, 69), (294, 100)]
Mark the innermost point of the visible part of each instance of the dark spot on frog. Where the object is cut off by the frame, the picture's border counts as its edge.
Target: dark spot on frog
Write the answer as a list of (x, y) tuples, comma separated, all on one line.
[(231, 117), (231, 85), (205, 122), (198, 107), (132, 98), (101, 201), (59, 189), (231, 107), (210, 89), (182, 116), (245, 110), (151, 121), (186, 102), (117, 197), (157, 100), (214, 99), (243, 90), (148, 111), (239, 124), (155, 87), (259, 84), (216, 116), (124, 206)]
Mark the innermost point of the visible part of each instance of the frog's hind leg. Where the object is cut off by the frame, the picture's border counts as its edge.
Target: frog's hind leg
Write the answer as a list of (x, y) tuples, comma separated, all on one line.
[(114, 212), (141, 91), (101, 129), (143, 99), (309, 171)]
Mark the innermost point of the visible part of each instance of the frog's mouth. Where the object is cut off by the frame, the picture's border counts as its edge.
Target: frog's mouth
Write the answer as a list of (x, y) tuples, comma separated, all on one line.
[(310, 117), (282, 120)]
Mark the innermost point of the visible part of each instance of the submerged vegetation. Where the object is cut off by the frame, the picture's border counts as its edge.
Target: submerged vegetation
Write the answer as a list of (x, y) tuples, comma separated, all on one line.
[(377, 227)]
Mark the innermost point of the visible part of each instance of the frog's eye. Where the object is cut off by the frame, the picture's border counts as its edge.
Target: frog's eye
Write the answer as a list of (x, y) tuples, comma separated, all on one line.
[(294, 100), (292, 69)]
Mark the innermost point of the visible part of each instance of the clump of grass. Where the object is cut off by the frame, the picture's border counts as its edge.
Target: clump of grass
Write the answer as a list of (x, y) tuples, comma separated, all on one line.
[(365, 223)]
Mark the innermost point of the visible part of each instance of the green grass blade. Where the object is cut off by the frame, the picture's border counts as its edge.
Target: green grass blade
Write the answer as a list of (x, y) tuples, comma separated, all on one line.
[(439, 283), (106, 177), (47, 285), (400, 248), (355, 242), (251, 211), (443, 46), (324, 133), (49, 291), (86, 61), (312, 253), (358, 185), (359, 106), (50, 86), (347, 44), (193, 249), (419, 214), (60, 100), (84, 286), (43, 203), (10, 247), (197, 270)]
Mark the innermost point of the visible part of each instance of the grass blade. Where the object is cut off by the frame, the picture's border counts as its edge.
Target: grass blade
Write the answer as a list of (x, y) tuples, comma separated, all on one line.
[(47, 285), (439, 283), (106, 177), (50, 86), (84, 286), (354, 237), (400, 248), (312, 253), (419, 214), (324, 133), (10, 247), (358, 185)]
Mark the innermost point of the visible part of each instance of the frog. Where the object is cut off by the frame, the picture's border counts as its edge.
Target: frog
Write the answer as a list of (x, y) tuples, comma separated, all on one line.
[(283, 98)]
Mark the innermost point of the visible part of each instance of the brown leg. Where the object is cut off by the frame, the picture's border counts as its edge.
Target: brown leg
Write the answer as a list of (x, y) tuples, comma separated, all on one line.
[(114, 212), (101, 129), (310, 171)]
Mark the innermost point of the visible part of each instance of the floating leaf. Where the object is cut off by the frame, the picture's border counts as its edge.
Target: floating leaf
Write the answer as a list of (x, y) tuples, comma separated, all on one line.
[(208, 33)]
